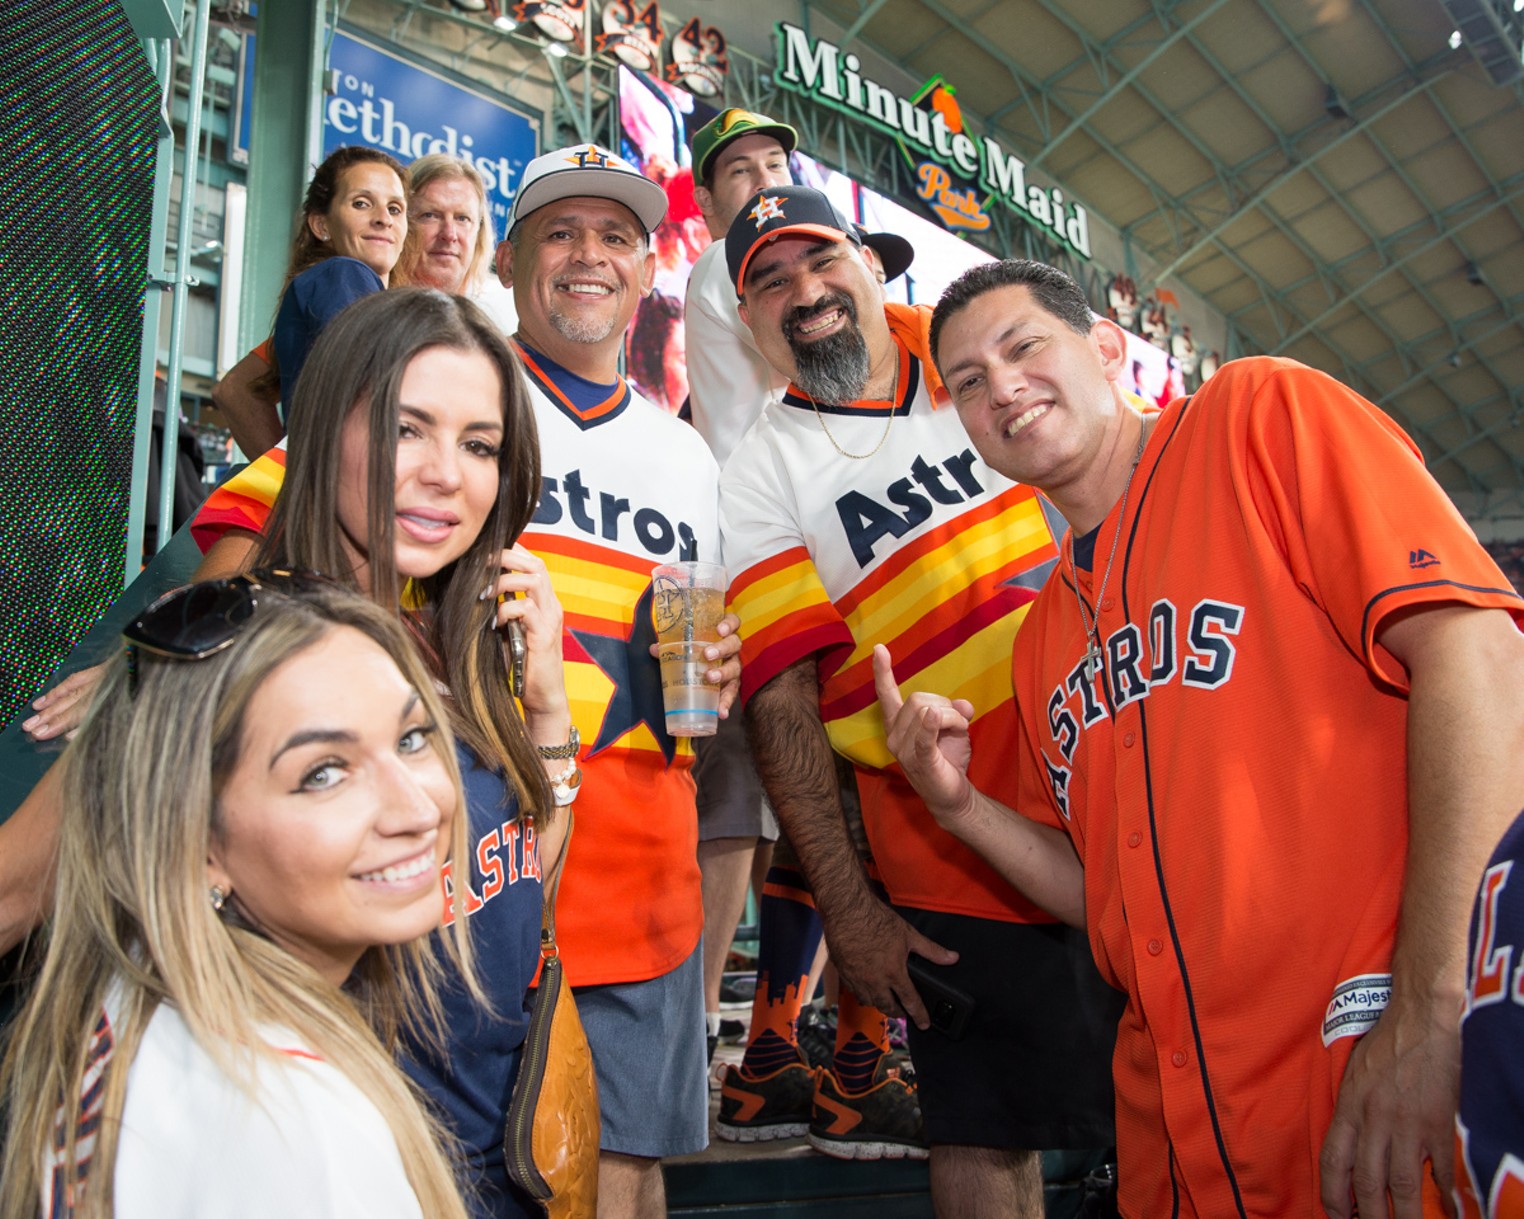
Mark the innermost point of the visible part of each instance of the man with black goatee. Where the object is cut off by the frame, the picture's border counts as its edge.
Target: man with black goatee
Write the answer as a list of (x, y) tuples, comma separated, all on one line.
[(856, 513)]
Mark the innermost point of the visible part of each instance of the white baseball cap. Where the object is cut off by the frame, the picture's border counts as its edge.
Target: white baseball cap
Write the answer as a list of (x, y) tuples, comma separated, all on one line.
[(588, 170)]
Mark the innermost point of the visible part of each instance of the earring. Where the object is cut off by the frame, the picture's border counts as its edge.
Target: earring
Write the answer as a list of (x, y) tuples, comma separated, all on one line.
[(217, 897)]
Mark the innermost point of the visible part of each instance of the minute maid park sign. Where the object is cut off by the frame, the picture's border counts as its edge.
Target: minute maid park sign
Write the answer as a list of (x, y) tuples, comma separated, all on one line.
[(931, 123)]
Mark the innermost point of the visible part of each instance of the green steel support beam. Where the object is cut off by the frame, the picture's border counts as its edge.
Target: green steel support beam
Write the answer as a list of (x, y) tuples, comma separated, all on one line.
[(856, 28), (1459, 133), (1439, 222), (1290, 172), (285, 144), (162, 59), (1441, 237), (1121, 82)]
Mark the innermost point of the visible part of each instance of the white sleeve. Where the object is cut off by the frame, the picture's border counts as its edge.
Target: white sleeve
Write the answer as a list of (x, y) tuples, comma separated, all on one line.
[(195, 1144)]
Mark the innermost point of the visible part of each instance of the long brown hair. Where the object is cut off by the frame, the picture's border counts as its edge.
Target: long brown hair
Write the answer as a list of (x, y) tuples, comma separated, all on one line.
[(131, 919), (358, 363)]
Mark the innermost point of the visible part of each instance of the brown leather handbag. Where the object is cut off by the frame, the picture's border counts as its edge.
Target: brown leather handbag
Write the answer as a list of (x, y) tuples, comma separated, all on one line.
[(551, 1142)]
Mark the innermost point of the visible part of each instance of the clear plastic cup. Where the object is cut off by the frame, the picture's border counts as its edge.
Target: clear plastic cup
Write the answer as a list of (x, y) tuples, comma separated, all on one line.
[(688, 601), (692, 704)]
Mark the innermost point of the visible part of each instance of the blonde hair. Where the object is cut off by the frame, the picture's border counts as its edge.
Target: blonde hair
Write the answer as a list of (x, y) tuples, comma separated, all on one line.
[(131, 916), (441, 166)]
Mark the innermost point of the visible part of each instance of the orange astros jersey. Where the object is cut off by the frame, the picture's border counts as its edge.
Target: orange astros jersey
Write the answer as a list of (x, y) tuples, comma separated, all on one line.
[(922, 548), (1234, 779)]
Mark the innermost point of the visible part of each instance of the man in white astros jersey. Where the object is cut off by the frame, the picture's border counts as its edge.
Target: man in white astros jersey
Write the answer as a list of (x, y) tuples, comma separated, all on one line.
[(856, 512)]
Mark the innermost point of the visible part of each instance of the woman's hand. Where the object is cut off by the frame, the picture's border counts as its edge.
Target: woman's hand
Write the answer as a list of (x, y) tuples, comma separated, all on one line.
[(529, 600), (61, 710)]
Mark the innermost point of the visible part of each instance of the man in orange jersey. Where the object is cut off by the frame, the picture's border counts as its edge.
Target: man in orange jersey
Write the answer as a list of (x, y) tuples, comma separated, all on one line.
[(856, 513), (1271, 723)]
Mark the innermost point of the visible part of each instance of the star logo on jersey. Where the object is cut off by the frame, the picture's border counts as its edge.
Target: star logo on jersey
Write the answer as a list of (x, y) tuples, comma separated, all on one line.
[(769, 207), (628, 663), (1033, 578), (590, 158)]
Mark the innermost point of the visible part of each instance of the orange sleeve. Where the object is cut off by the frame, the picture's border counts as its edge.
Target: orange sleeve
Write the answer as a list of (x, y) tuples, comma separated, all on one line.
[(244, 501), (1364, 527)]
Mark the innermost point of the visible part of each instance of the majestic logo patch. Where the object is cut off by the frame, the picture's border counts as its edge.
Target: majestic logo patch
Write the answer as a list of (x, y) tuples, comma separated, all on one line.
[(590, 158), (1356, 1005), (769, 207), (1418, 559)]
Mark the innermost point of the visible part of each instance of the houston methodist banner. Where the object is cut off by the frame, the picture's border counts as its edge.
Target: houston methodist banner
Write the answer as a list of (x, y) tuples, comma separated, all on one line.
[(931, 123), (385, 101)]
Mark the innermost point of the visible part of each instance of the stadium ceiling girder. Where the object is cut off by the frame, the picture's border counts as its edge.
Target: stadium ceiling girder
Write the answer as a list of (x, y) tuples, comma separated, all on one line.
[(1156, 189), (1339, 294), (1439, 221), (1188, 231)]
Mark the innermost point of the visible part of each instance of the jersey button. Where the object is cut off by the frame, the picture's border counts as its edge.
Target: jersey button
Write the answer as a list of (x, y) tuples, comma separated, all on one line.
[(1155, 948), (1178, 1058), (1134, 839), (1127, 739), (1109, 603)]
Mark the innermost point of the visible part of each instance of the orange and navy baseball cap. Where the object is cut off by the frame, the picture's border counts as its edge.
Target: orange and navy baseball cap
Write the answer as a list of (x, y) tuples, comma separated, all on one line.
[(730, 125), (775, 211), (587, 170)]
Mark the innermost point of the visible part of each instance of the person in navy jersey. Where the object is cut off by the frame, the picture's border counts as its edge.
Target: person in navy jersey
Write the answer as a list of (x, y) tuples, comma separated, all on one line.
[(1489, 1129), (354, 221), (470, 1079)]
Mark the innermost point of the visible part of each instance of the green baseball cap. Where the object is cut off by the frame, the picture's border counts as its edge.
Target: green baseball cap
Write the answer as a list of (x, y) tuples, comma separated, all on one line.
[(731, 125)]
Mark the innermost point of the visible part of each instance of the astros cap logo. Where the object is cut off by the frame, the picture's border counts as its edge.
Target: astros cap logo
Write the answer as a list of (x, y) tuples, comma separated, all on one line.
[(592, 157), (769, 207)]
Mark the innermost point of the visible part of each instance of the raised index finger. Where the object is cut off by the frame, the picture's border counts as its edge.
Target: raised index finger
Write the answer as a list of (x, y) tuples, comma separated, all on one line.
[(889, 699)]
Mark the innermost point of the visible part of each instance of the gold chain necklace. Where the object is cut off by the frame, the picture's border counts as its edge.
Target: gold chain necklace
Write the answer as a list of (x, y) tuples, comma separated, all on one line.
[(1092, 657), (894, 390)]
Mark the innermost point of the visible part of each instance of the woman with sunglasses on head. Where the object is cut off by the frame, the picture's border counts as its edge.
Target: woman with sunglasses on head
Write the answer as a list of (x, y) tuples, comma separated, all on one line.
[(414, 495), (256, 812)]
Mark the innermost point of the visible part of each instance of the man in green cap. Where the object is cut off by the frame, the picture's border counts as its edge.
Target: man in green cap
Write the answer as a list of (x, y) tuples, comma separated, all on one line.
[(735, 155)]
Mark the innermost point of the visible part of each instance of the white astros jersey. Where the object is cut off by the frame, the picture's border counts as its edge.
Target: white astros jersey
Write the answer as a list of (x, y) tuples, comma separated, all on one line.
[(625, 486), (920, 547)]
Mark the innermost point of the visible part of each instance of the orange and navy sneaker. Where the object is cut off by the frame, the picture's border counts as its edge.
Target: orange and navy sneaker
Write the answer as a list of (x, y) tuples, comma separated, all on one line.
[(883, 1122), (754, 1109)]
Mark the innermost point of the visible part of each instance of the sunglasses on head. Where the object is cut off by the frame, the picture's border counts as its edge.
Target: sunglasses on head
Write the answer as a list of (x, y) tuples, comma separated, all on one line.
[(199, 620)]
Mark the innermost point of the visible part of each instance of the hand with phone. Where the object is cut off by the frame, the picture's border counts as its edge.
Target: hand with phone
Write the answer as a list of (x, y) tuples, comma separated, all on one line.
[(528, 618), (949, 1007)]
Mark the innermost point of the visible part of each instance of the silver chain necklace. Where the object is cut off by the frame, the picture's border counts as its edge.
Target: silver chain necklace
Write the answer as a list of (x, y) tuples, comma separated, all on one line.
[(1092, 657), (894, 390)]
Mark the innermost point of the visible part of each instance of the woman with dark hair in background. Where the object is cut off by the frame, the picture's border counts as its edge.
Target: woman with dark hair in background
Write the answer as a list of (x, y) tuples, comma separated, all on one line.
[(353, 225)]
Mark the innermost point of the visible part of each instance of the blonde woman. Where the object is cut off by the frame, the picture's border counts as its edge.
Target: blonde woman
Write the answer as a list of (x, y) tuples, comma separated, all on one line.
[(256, 813)]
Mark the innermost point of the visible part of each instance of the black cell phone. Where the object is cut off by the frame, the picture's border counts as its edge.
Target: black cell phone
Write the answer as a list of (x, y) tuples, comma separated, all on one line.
[(948, 1007)]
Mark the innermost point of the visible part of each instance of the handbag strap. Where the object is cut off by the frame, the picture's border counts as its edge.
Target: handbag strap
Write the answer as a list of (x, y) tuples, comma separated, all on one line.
[(551, 882)]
